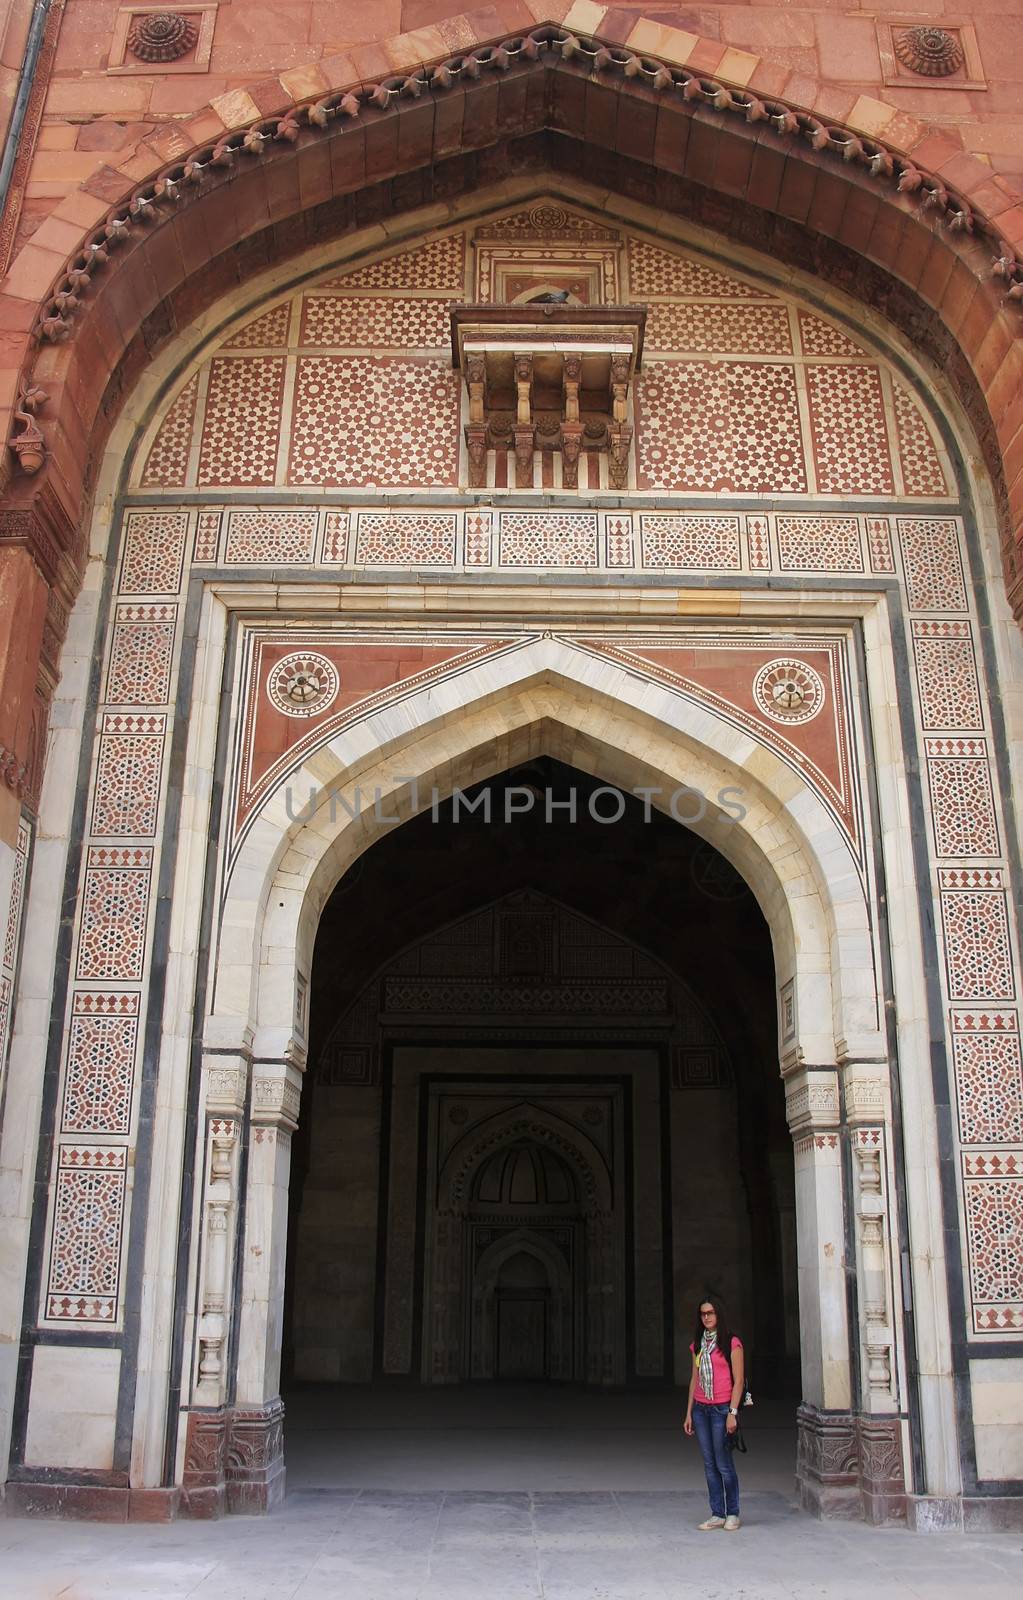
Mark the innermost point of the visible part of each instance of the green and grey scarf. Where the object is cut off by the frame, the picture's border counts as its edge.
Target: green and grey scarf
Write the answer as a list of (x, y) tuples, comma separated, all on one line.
[(708, 1344)]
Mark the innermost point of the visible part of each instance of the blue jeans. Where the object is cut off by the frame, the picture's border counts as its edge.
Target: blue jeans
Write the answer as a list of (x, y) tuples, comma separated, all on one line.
[(718, 1459)]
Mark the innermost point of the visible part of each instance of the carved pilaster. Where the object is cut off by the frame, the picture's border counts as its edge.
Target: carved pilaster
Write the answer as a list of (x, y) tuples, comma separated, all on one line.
[(254, 1466), (220, 1210), (872, 1227), (882, 1476), (204, 1494), (827, 1463)]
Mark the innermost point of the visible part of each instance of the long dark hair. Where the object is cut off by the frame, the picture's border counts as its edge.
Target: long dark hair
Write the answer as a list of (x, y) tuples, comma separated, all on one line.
[(723, 1330)]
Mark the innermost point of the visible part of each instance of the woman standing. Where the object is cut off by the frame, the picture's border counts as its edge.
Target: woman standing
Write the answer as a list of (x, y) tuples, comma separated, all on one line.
[(715, 1389)]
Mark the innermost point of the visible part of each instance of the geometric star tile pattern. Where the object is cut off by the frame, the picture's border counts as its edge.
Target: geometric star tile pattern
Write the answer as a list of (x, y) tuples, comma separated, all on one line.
[(819, 544), (242, 422), (365, 420), (731, 427), (167, 462), (994, 1221), (282, 536), (962, 802), (692, 542), (848, 426), (266, 332), (820, 338), (86, 1246), (154, 549), (114, 906), (128, 770), (361, 322), (101, 1065), (140, 655), (922, 471), (741, 330), (989, 1083), (656, 271), (978, 955), (933, 564), (439, 264)]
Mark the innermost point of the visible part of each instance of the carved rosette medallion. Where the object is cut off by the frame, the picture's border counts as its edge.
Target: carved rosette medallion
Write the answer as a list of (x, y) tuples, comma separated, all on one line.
[(548, 219), (162, 36), (303, 684), (788, 691), (932, 52)]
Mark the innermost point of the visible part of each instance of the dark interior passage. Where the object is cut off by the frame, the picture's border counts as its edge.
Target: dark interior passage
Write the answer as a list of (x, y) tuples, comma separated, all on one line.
[(543, 1113)]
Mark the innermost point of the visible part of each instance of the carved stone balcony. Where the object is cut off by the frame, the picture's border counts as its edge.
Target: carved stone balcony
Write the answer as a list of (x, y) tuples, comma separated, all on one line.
[(550, 378)]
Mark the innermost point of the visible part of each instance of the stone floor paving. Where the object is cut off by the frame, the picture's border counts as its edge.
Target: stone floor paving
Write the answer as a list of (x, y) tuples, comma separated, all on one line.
[(330, 1544)]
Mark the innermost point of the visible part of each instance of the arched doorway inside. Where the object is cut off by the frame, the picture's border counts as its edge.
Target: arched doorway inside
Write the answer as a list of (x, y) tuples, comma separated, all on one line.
[(539, 1125)]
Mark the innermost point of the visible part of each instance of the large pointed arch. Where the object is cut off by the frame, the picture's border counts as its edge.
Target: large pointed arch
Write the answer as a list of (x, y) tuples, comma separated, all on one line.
[(597, 716)]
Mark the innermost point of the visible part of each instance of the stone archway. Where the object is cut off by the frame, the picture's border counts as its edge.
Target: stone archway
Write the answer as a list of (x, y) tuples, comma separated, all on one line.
[(786, 847)]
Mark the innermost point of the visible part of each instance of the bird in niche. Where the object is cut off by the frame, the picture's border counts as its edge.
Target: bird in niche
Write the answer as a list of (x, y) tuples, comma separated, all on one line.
[(553, 297)]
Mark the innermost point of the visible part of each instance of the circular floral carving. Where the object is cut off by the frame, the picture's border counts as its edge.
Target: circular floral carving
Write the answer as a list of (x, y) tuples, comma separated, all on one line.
[(932, 52), (788, 691), (162, 36), (548, 219), (303, 685)]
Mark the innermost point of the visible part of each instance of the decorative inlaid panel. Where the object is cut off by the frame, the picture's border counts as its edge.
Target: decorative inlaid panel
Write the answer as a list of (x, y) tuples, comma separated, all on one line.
[(207, 536), (101, 1063), (336, 528), (820, 338), (428, 539), (656, 271), (479, 528), (758, 544), (994, 1226), (933, 563), (819, 544), (10, 951), (363, 322), (141, 653), (367, 672), (978, 955), (618, 535), (114, 907), (367, 420), (740, 330), (946, 671), (962, 802), (283, 537), (879, 544), (727, 426), (241, 428), (438, 264), (154, 552), (12, 938), (850, 440), (128, 771), (548, 538), (694, 542), (269, 331), (85, 1251), (989, 1077), (922, 471), (167, 463)]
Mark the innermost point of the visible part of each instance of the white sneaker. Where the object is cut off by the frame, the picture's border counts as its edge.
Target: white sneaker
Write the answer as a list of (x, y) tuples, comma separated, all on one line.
[(731, 1524), (712, 1523)]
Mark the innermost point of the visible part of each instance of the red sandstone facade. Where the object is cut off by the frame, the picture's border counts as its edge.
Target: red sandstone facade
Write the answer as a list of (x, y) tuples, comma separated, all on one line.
[(160, 168)]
